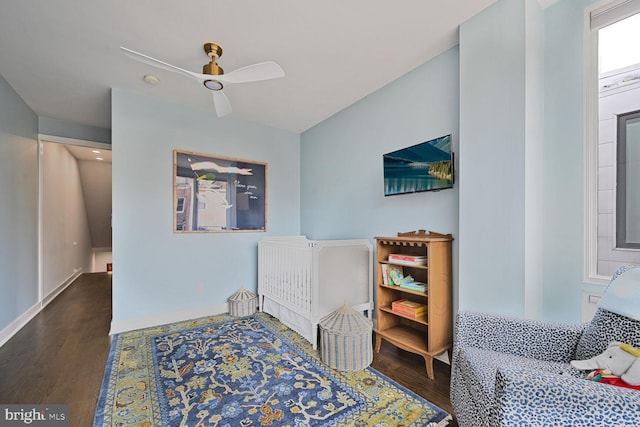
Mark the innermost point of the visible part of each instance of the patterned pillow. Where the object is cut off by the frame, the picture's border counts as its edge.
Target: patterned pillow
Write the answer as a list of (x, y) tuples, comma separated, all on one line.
[(604, 328)]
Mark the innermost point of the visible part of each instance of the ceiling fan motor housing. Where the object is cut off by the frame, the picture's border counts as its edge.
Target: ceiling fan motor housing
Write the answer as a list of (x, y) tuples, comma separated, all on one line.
[(214, 52), (212, 69)]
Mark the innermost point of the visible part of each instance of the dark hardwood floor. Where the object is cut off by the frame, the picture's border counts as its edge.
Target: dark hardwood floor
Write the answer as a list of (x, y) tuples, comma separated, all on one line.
[(60, 355), (409, 370)]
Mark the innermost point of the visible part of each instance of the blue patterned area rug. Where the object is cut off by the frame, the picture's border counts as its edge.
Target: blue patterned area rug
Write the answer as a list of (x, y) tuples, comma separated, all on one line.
[(254, 371)]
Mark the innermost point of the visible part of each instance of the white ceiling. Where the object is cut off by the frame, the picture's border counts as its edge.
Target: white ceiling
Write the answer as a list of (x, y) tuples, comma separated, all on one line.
[(62, 57)]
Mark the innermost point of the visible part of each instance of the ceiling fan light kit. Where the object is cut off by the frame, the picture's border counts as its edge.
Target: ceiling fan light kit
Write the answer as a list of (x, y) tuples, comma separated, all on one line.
[(213, 85), (251, 73)]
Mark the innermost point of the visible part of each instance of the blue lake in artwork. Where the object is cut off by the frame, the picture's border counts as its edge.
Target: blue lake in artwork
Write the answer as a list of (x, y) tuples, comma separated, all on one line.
[(400, 179)]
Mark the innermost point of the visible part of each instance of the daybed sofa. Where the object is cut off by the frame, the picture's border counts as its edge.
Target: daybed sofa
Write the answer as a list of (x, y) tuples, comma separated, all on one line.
[(514, 372)]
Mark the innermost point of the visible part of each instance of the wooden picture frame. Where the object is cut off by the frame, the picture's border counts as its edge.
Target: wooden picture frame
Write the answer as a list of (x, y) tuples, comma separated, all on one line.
[(218, 194)]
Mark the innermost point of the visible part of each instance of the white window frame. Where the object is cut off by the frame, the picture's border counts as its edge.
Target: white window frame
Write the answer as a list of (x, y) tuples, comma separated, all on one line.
[(591, 121)]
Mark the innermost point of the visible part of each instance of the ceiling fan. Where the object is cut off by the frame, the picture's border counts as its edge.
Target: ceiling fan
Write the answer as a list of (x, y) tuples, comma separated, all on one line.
[(213, 77)]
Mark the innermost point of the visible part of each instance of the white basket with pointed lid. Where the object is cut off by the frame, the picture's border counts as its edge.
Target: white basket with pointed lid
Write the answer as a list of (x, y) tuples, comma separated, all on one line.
[(243, 303), (345, 340)]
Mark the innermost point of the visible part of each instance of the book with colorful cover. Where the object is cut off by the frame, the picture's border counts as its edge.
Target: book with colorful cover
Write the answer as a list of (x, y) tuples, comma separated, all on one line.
[(385, 273), (409, 308), (396, 274), (415, 286), (409, 313), (407, 259)]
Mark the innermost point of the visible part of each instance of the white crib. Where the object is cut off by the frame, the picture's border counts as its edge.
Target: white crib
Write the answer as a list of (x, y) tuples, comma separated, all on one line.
[(300, 281)]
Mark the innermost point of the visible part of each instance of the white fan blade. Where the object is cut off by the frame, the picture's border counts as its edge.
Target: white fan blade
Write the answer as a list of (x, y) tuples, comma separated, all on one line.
[(221, 103), (253, 73), (160, 64)]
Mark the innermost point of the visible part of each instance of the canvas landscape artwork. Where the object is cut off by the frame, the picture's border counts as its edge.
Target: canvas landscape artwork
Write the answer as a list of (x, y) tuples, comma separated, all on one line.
[(427, 166)]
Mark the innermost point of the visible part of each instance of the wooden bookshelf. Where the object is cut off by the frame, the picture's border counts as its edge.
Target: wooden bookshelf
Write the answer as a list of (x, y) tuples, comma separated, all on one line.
[(431, 334)]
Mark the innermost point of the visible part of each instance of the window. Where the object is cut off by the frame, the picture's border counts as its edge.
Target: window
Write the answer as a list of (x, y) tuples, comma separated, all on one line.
[(180, 205), (628, 180), (612, 93)]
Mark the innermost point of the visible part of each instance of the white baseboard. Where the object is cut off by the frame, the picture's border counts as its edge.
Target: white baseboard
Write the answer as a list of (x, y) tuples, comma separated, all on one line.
[(12, 328), (58, 290), (15, 326), (119, 326)]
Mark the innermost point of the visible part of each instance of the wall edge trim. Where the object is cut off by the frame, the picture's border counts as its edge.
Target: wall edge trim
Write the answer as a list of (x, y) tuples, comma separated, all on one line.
[(14, 327), (61, 287), (20, 322)]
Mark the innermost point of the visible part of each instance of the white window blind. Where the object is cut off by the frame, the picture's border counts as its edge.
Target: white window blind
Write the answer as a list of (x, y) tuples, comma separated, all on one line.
[(613, 12)]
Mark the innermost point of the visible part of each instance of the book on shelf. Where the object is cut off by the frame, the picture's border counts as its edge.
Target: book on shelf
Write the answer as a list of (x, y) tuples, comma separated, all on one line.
[(405, 259), (396, 274), (385, 273), (415, 286), (393, 275), (409, 308)]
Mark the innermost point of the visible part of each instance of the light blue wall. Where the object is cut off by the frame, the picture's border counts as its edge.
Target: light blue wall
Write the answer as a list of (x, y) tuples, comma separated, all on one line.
[(534, 172), (18, 206), (498, 101), (564, 160), (341, 175), (534, 156), (492, 160), (155, 270)]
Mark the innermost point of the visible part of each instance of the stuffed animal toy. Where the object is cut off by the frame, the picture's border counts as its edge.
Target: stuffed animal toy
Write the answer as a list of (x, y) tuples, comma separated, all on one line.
[(619, 361)]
